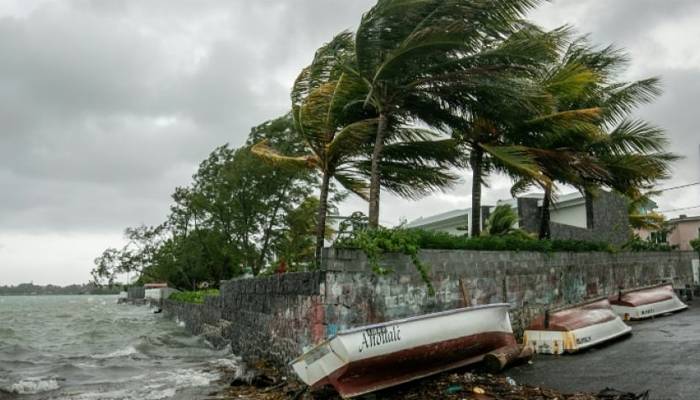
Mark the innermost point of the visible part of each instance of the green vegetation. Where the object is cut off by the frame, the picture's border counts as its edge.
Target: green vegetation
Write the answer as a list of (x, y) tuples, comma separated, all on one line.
[(196, 297), (502, 221), (375, 242), (419, 91), (638, 244), (386, 239), (695, 244), (26, 289)]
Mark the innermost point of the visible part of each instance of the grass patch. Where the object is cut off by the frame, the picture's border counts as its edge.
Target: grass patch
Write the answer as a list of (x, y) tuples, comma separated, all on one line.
[(196, 297)]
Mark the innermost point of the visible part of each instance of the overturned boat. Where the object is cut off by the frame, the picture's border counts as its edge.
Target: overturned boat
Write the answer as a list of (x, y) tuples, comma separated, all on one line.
[(369, 358), (646, 302), (573, 328)]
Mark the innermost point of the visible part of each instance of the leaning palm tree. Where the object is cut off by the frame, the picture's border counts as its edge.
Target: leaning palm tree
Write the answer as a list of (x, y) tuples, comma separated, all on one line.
[(338, 130), (607, 150), (414, 56), (333, 129), (486, 131)]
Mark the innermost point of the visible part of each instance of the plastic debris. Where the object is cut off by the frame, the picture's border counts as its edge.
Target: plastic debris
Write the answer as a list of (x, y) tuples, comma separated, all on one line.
[(454, 389), (478, 390)]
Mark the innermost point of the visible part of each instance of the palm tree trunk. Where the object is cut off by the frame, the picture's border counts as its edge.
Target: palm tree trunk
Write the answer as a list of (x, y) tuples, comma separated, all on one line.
[(545, 232), (476, 161), (375, 183), (589, 209), (321, 221)]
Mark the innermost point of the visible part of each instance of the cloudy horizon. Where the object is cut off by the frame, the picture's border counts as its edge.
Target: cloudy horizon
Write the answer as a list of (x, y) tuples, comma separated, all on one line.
[(107, 106)]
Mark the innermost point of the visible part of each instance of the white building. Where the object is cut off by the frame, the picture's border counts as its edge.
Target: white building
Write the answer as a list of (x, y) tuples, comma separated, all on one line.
[(568, 209)]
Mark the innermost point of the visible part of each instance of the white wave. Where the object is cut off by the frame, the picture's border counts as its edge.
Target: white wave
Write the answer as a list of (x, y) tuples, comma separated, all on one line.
[(119, 353), (227, 364), (188, 378), (33, 385)]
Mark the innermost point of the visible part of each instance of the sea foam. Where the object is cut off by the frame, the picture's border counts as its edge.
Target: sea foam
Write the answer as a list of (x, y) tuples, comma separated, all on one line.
[(33, 385)]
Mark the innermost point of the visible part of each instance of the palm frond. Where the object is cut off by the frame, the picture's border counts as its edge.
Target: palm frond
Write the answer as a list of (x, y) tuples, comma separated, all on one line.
[(268, 154)]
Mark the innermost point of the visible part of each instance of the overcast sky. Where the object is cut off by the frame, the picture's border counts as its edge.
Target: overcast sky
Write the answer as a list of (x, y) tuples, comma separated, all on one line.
[(106, 106)]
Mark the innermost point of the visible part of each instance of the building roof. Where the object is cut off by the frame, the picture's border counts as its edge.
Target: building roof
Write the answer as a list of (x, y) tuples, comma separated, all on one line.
[(422, 221), (565, 200), (683, 218)]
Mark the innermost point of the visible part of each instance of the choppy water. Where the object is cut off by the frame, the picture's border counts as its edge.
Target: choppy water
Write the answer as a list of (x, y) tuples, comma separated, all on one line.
[(88, 347)]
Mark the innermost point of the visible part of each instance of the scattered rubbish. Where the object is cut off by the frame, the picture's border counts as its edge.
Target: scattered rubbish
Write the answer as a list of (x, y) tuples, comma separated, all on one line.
[(454, 389), (612, 394), (369, 358), (478, 390), (472, 384), (646, 302)]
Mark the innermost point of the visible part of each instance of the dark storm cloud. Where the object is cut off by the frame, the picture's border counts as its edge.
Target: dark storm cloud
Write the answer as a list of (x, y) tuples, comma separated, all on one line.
[(108, 105)]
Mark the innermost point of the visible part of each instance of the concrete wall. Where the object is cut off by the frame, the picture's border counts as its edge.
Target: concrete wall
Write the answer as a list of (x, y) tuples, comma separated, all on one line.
[(136, 292), (277, 317), (683, 232)]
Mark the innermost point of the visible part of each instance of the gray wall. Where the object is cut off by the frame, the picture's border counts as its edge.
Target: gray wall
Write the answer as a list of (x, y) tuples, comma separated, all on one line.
[(276, 317), (610, 220)]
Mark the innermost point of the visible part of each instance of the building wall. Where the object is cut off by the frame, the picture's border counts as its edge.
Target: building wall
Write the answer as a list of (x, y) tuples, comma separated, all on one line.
[(610, 220), (277, 317), (574, 215), (683, 233)]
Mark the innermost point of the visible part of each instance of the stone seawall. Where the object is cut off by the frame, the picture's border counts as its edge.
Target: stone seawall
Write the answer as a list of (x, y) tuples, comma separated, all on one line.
[(276, 317)]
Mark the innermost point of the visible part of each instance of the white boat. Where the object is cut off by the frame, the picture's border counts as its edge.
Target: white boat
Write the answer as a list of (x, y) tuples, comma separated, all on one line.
[(574, 328), (369, 358), (646, 302)]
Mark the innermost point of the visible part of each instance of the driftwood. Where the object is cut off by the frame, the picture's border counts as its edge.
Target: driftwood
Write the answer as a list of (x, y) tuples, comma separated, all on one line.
[(465, 295), (502, 357)]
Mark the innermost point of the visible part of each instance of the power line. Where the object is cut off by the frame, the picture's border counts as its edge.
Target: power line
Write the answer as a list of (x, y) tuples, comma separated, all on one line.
[(678, 187), (680, 209)]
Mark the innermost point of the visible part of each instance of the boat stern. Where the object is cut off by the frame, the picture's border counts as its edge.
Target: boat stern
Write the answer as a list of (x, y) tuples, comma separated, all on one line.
[(575, 328), (314, 366), (647, 302)]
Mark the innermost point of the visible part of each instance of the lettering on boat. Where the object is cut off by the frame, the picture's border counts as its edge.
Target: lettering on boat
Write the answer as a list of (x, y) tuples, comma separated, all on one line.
[(583, 340), (374, 337), (648, 311)]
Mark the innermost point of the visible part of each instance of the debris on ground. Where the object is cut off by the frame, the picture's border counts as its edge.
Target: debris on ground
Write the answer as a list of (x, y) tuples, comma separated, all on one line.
[(273, 385)]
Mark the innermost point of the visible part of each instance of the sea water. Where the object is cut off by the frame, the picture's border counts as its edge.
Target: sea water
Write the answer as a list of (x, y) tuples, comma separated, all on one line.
[(89, 348)]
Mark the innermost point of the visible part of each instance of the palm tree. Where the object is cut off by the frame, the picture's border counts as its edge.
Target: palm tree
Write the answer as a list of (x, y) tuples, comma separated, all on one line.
[(600, 147), (415, 55), (502, 221), (333, 129), (338, 130)]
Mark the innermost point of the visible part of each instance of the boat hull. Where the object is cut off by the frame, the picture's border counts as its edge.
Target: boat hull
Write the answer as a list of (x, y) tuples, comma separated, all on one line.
[(366, 359), (575, 328), (647, 302)]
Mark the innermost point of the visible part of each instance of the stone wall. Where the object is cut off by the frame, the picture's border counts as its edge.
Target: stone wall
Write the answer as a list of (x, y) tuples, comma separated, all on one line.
[(277, 317), (529, 282), (610, 220)]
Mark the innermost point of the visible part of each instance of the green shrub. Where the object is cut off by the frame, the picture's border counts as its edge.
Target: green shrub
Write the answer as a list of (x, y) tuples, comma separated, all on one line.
[(196, 297), (639, 244), (695, 244), (516, 241), (375, 242)]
